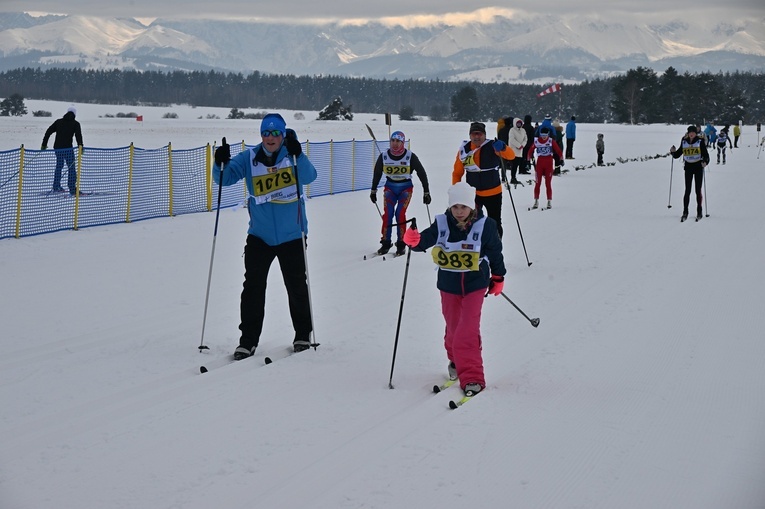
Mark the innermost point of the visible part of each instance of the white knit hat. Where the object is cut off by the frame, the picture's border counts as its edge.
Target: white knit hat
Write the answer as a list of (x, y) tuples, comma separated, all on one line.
[(72, 109), (462, 194)]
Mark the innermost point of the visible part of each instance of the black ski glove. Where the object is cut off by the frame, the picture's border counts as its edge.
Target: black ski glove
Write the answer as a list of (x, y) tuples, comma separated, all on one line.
[(373, 196), (222, 153), (292, 143), (426, 199)]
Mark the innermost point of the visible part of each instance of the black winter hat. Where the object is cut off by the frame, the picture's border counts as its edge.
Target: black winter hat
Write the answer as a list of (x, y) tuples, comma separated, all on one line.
[(478, 126), (692, 129)]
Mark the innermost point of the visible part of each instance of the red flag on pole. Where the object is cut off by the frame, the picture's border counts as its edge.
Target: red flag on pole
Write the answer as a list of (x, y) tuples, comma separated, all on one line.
[(139, 118), (550, 90)]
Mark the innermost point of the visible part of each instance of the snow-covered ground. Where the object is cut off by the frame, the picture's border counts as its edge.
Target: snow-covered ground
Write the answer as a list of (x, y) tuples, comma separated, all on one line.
[(641, 387)]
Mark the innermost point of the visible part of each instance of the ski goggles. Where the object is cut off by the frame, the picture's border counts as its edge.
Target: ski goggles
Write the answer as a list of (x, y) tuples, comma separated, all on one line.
[(272, 132)]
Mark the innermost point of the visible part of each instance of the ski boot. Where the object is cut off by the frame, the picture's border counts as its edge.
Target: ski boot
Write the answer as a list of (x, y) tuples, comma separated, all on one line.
[(385, 246)]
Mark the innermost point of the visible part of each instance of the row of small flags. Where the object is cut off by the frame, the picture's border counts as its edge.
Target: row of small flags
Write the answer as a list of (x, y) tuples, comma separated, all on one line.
[(552, 89)]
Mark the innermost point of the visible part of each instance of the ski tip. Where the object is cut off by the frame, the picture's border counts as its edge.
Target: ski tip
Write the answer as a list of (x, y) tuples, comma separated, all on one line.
[(436, 389), (365, 257), (202, 369), (267, 360), (453, 405)]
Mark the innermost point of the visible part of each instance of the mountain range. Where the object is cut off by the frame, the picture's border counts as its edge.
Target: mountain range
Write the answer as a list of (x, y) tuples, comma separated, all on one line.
[(504, 49)]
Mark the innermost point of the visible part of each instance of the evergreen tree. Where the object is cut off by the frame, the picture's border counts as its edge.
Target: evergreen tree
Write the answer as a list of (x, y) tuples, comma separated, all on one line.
[(13, 106), (465, 105), (406, 113), (633, 94)]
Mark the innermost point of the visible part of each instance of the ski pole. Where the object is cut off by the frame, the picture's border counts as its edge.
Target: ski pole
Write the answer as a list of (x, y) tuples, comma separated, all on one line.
[(314, 344), (671, 168), (373, 137), (379, 150), (202, 345), (534, 321), (512, 202), (401, 308), (706, 198)]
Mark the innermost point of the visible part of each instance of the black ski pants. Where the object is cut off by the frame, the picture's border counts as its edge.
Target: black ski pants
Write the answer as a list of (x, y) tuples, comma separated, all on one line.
[(693, 174), (258, 257), (493, 206)]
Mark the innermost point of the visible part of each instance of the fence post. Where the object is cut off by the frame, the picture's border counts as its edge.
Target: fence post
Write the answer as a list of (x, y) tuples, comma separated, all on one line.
[(307, 188), (353, 164), (208, 179), (170, 178), (18, 193), (78, 188), (244, 184), (331, 165), (131, 151)]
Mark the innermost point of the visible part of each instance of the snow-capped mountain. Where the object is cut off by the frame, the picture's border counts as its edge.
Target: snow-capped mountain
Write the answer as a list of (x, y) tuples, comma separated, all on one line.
[(576, 47)]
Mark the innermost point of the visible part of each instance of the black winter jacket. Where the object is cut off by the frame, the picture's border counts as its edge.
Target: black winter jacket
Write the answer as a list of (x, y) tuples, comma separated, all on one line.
[(65, 128)]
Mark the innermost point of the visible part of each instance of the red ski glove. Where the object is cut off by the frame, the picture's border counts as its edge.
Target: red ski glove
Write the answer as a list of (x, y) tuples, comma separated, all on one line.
[(411, 237), (496, 285)]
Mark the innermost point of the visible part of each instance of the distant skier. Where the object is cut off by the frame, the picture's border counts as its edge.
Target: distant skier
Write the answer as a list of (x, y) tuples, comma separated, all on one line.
[(711, 134), (696, 158), (65, 129), (722, 142), (548, 152), (397, 163)]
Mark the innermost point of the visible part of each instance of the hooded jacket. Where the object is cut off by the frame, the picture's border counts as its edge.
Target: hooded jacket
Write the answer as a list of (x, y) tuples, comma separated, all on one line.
[(517, 137), (65, 129)]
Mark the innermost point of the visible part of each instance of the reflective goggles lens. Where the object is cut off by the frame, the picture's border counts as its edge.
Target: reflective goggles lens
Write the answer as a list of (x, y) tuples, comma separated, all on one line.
[(274, 133)]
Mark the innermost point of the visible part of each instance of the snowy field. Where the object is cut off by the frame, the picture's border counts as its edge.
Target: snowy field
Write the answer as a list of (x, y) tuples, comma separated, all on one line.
[(641, 388)]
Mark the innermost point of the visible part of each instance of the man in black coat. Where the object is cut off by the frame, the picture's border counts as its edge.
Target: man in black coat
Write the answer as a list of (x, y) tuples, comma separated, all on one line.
[(65, 129)]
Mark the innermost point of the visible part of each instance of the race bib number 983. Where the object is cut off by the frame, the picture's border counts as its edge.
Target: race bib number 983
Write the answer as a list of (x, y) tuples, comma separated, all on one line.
[(455, 260)]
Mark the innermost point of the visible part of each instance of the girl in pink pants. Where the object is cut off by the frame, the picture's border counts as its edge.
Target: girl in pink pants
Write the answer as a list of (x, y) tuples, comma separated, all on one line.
[(468, 252)]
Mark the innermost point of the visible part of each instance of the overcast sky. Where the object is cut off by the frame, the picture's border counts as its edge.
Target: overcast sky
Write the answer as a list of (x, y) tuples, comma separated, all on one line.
[(711, 10)]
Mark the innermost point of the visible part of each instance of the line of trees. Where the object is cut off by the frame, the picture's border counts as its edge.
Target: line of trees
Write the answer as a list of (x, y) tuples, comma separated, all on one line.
[(639, 96)]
